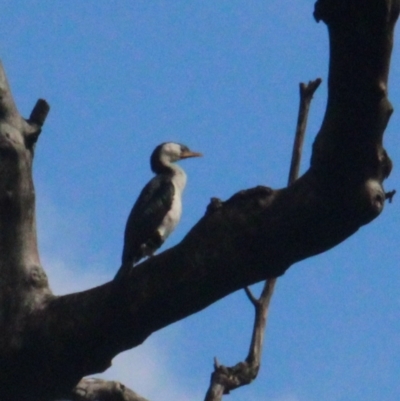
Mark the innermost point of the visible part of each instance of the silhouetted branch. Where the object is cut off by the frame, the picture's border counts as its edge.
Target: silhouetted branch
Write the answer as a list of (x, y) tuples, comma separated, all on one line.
[(390, 195), (306, 94), (251, 296), (33, 126), (39, 112), (225, 379), (92, 389)]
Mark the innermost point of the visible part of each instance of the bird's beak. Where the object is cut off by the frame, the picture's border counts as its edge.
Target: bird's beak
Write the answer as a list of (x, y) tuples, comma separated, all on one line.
[(185, 155)]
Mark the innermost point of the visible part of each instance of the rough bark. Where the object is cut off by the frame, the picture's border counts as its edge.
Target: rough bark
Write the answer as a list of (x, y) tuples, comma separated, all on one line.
[(101, 390), (52, 342)]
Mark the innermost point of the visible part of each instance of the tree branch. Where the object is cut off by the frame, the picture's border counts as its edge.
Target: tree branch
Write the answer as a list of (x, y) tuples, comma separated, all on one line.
[(306, 94), (225, 379), (36, 120), (92, 389)]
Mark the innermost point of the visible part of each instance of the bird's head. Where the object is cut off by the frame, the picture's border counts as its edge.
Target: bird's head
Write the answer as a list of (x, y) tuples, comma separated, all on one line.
[(170, 152)]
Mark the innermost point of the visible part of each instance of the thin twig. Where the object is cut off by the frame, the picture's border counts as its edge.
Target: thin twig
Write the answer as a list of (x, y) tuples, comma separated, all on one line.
[(251, 296), (260, 321), (389, 195), (225, 379), (306, 94)]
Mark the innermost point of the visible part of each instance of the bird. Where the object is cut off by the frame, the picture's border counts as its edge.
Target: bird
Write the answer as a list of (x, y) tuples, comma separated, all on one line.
[(158, 208)]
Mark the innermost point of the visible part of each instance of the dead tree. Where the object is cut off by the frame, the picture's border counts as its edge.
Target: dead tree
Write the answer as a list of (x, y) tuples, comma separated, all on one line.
[(48, 343)]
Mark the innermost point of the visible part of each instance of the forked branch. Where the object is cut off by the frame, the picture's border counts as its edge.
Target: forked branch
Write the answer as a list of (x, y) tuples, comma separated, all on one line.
[(225, 379)]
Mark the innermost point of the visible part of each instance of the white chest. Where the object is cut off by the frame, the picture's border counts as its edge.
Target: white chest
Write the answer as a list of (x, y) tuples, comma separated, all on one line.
[(173, 216)]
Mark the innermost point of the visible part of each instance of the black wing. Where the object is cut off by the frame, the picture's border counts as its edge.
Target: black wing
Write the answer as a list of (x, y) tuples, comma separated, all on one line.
[(147, 213)]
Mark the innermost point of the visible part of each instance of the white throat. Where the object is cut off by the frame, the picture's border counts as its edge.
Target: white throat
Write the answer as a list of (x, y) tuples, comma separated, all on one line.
[(179, 178)]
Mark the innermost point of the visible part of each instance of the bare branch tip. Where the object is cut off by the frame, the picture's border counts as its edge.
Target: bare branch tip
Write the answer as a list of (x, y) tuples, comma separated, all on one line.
[(315, 84), (389, 195), (307, 90), (40, 112)]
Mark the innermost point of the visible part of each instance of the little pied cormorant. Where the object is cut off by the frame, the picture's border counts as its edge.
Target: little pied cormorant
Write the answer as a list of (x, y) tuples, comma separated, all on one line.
[(158, 209)]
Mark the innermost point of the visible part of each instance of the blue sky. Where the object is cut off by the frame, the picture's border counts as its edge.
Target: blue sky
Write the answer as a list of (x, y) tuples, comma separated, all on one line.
[(221, 77)]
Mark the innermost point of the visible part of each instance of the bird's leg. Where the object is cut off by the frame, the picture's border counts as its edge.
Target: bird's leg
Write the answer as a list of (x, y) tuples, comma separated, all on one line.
[(147, 250), (152, 244)]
